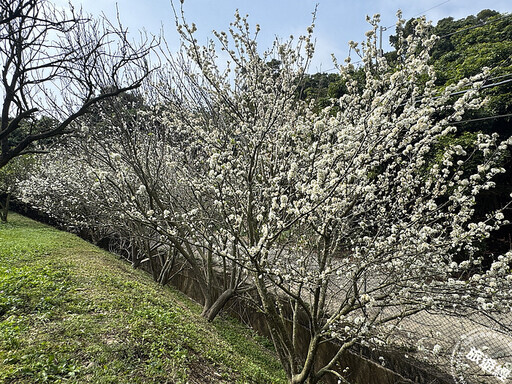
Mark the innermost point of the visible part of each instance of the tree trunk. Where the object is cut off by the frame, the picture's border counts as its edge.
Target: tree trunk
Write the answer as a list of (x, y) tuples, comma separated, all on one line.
[(218, 305), (166, 269), (4, 208), (207, 302)]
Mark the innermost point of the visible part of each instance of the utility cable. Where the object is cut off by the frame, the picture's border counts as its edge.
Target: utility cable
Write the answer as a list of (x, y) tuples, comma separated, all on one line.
[(482, 118), (465, 29), (482, 87), (423, 12), (475, 26), (462, 92)]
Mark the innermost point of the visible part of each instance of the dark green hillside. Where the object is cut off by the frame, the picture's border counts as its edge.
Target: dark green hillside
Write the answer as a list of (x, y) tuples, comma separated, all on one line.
[(72, 313)]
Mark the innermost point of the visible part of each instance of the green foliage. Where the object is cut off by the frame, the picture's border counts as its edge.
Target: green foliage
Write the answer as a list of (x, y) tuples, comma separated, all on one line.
[(11, 174), (32, 126), (72, 313), (464, 48), (325, 89), (467, 45), (466, 140), (18, 169)]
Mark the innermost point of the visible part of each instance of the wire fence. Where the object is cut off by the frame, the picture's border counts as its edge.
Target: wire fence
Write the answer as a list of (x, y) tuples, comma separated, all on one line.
[(474, 349)]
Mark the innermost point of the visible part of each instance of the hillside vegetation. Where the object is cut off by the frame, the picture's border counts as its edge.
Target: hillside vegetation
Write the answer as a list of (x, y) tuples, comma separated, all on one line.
[(70, 312)]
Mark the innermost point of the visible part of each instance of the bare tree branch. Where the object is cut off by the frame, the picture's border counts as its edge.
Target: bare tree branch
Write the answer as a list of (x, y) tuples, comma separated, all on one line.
[(59, 64)]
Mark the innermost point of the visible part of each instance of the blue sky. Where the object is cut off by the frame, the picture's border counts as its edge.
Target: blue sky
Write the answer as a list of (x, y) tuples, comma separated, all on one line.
[(338, 21)]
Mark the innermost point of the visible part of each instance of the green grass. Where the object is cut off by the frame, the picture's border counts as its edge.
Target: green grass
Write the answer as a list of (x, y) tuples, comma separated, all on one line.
[(72, 313)]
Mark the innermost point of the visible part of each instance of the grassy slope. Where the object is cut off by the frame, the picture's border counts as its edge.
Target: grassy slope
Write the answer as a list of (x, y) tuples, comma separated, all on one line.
[(70, 312)]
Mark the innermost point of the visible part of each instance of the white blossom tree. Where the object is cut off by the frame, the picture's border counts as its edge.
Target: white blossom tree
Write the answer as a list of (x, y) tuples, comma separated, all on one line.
[(345, 223), (236, 119), (140, 188), (352, 219)]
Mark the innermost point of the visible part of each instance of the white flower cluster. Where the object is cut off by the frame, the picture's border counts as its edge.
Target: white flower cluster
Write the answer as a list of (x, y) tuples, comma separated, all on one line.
[(344, 216)]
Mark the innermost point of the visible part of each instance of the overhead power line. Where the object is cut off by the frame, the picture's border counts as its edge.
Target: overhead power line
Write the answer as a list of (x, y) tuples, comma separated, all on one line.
[(499, 77), (423, 12), (482, 118), (482, 87), (475, 26), (464, 91), (435, 6), (382, 29), (460, 30)]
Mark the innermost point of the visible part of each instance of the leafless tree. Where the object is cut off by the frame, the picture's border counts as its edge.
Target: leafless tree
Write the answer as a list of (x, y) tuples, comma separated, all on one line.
[(56, 64)]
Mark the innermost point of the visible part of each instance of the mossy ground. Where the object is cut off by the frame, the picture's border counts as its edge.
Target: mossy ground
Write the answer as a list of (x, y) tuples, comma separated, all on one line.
[(73, 313)]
